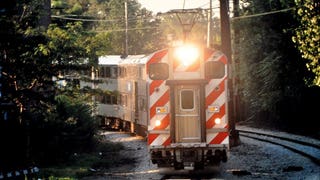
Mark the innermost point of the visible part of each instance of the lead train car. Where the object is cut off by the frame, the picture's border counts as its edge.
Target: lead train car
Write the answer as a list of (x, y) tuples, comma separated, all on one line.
[(177, 97), (188, 119)]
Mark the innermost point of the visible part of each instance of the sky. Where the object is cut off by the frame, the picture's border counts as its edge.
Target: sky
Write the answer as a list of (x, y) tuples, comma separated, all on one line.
[(166, 5)]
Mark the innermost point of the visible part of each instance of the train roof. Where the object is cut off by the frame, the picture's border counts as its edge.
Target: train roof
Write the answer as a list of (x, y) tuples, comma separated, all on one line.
[(118, 59)]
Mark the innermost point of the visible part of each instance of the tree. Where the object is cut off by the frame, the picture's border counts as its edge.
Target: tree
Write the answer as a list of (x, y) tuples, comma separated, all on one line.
[(270, 75), (31, 55), (107, 19), (69, 128), (307, 36), (26, 74)]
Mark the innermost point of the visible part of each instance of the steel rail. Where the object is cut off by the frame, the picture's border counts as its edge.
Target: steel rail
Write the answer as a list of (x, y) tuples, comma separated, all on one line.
[(253, 135), (283, 138)]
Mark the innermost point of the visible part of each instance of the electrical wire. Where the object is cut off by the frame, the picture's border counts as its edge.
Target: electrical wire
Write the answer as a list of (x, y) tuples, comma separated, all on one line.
[(262, 14), (151, 17), (97, 20)]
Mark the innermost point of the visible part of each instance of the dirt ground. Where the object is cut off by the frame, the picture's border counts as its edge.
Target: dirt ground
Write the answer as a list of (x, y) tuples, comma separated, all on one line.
[(250, 160)]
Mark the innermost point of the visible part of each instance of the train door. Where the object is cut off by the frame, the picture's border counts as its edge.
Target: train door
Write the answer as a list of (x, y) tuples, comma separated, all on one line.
[(187, 114)]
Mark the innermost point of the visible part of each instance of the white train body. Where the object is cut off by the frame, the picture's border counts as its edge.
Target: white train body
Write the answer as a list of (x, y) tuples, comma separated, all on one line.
[(180, 106)]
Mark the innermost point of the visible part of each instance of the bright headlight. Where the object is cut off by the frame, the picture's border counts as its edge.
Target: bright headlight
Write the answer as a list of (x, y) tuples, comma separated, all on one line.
[(186, 54), (217, 120), (158, 122)]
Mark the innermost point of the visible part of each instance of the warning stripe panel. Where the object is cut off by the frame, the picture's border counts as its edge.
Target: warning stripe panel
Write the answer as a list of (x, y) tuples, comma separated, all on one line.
[(214, 94), (223, 59), (154, 85), (215, 56), (224, 140), (160, 102), (207, 54), (157, 93), (159, 139), (218, 138), (165, 122), (167, 142), (157, 57), (158, 96), (152, 137), (210, 122)]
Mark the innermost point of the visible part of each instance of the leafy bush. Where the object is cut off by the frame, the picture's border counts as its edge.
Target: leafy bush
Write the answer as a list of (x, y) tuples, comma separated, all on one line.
[(69, 128)]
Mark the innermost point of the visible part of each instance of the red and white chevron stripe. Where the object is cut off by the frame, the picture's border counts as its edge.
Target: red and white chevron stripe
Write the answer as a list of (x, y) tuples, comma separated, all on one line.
[(159, 97), (216, 95)]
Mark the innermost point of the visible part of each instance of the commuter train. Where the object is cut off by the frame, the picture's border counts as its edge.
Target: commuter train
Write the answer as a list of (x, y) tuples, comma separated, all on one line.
[(176, 97)]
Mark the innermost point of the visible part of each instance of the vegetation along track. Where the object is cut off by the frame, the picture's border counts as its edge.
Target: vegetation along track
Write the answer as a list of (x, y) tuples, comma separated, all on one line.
[(304, 148)]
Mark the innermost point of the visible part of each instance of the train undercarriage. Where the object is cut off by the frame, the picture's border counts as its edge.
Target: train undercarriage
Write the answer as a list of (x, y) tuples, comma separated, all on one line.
[(112, 123), (188, 158)]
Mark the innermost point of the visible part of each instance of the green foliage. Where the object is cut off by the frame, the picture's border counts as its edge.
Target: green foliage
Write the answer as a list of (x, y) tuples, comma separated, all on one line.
[(269, 71), (271, 75), (42, 130), (27, 74), (307, 36), (67, 45), (109, 26), (66, 129), (23, 68), (101, 44)]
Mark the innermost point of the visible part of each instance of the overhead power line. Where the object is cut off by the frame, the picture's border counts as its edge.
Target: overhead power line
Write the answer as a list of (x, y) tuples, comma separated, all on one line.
[(97, 20), (262, 14), (81, 19), (114, 20), (129, 29)]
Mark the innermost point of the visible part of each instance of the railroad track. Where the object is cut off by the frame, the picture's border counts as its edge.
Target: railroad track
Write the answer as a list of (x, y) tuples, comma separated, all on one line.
[(310, 150)]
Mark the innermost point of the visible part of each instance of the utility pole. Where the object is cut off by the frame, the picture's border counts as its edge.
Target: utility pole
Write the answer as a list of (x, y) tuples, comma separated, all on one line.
[(209, 34), (126, 23), (226, 49), (236, 44), (45, 18)]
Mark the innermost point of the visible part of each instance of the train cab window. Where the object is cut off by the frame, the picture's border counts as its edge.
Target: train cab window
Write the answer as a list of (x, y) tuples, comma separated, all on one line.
[(158, 71), (214, 69), (187, 99)]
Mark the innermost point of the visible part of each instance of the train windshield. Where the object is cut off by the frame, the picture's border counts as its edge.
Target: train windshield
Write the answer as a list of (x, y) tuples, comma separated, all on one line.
[(159, 71), (214, 69)]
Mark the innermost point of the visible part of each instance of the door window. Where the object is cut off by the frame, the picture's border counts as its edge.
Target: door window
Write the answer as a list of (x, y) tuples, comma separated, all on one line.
[(187, 99)]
